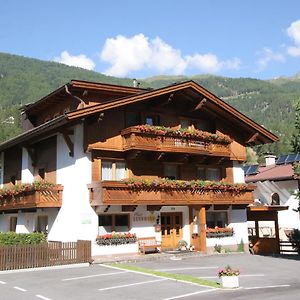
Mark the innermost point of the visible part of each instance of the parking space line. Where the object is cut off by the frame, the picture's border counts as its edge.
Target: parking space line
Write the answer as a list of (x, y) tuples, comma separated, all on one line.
[(2, 282), (190, 294), (96, 275), (159, 276), (42, 297), (20, 289), (191, 268), (131, 284), (267, 287)]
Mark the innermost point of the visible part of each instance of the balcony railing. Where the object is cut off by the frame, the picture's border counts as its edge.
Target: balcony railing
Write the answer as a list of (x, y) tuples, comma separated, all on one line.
[(120, 193), (136, 139), (51, 197)]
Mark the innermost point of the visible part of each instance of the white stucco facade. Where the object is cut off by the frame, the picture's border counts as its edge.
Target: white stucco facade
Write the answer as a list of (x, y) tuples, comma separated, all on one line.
[(27, 173), (76, 218)]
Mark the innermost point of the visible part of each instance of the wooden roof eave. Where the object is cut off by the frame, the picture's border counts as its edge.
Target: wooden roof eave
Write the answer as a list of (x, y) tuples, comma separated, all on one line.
[(264, 134), (35, 133)]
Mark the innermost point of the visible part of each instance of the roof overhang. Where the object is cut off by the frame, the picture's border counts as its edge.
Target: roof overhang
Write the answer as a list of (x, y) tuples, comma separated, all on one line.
[(213, 102)]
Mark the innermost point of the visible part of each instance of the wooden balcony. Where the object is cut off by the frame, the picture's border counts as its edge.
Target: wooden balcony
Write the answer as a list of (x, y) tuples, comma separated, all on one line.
[(134, 139), (33, 199), (118, 193)]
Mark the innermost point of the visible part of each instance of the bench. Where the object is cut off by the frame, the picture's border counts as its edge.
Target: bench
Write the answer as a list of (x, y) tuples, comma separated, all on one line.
[(148, 243)]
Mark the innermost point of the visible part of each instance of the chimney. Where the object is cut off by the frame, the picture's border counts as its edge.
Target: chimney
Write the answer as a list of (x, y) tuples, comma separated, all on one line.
[(270, 159), (135, 83)]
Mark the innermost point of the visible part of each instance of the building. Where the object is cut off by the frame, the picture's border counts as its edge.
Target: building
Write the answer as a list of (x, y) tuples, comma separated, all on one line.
[(276, 184), (86, 138)]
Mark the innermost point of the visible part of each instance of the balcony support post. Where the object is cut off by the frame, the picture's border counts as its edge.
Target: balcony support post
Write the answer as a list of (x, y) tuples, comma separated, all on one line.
[(202, 225)]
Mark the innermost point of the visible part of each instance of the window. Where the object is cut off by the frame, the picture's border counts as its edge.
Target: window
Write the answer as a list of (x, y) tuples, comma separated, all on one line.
[(13, 224), (13, 179), (152, 120), (42, 224), (275, 199), (117, 222), (201, 174), (106, 170), (41, 173), (213, 174), (132, 119), (170, 171), (216, 219), (113, 170)]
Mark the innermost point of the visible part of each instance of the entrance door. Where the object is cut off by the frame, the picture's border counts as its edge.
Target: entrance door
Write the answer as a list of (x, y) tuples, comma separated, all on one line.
[(171, 230)]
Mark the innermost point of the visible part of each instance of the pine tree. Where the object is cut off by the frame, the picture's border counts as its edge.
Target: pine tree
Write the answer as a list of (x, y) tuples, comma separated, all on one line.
[(296, 136)]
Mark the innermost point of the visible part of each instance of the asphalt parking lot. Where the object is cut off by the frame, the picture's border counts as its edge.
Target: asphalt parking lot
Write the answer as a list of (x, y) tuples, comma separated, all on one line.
[(261, 277)]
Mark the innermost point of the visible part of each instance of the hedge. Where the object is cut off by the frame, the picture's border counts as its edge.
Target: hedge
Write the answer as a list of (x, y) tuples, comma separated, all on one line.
[(12, 238)]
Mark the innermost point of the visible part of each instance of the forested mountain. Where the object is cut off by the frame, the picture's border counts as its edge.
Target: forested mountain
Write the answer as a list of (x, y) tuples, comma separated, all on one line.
[(270, 103)]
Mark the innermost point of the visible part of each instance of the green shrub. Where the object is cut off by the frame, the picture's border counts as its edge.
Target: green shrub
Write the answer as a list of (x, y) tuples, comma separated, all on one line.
[(295, 239), (240, 246), (12, 238)]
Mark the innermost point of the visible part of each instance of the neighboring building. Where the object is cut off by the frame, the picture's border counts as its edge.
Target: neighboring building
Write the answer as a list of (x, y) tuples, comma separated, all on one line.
[(276, 184), (87, 137)]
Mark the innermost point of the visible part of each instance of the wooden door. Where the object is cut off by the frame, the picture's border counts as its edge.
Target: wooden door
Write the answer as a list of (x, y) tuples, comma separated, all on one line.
[(171, 230)]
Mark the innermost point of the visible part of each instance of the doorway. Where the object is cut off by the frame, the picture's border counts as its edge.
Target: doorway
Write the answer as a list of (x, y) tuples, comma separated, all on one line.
[(171, 230)]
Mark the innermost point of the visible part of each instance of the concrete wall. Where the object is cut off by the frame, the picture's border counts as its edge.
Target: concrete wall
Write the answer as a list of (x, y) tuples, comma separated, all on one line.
[(238, 173), (27, 173)]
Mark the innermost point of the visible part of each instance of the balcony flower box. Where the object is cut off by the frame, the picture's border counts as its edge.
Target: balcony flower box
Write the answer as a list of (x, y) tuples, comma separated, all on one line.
[(219, 232), (115, 239), (184, 133), (195, 186), (229, 277)]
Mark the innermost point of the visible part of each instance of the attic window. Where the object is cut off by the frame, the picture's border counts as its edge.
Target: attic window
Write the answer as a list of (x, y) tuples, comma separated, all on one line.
[(275, 199)]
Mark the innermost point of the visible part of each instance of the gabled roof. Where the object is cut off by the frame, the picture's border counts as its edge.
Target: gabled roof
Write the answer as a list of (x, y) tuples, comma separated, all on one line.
[(138, 96), (272, 172), (212, 100)]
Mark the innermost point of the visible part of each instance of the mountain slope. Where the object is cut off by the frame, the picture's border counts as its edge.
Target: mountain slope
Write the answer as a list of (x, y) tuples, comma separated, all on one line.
[(270, 103)]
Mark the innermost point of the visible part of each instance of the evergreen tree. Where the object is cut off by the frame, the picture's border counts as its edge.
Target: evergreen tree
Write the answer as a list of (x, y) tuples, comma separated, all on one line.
[(296, 136)]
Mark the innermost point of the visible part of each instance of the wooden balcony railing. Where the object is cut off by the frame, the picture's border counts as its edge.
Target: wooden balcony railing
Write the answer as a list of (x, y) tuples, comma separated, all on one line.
[(119, 193), (51, 197), (134, 139)]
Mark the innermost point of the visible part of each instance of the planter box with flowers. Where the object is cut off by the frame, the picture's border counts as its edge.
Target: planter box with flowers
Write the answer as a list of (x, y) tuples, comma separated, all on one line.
[(27, 195), (115, 239), (229, 277), (162, 138), (219, 232)]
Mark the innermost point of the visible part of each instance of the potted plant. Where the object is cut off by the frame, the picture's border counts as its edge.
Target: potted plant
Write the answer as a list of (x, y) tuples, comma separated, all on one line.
[(229, 277), (182, 245)]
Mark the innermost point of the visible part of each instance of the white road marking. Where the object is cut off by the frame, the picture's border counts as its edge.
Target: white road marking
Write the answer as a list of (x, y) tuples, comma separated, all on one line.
[(190, 294), (131, 284), (20, 289), (267, 287), (2, 282), (42, 297), (159, 276), (91, 276), (191, 268)]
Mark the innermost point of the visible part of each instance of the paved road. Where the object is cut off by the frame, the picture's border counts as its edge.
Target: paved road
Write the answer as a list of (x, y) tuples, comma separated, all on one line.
[(261, 277)]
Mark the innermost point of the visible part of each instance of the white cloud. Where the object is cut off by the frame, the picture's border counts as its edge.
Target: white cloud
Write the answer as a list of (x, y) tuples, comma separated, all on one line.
[(267, 55), (294, 33), (80, 61), (139, 52)]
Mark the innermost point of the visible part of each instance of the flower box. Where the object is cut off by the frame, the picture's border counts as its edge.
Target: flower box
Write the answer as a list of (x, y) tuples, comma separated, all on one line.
[(116, 239), (229, 277), (230, 282), (219, 232)]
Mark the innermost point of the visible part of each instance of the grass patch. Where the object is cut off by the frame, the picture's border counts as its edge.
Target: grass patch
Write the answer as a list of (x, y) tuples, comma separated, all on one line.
[(180, 277)]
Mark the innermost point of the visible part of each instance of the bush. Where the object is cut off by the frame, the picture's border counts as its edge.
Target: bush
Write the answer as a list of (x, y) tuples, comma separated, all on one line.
[(295, 239), (12, 238)]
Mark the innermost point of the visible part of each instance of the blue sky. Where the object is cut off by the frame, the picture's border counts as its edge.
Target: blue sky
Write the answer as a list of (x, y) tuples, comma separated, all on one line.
[(233, 38)]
